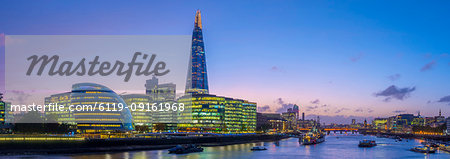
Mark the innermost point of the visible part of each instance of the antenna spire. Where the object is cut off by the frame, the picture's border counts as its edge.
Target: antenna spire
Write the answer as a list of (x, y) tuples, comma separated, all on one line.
[(198, 19)]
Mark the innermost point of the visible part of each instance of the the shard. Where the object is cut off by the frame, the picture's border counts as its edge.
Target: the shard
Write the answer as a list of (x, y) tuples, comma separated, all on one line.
[(197, 78)]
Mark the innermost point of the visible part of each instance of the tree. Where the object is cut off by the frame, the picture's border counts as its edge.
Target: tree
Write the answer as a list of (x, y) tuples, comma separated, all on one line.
[(263, 127), (30, 123), (33, 123)]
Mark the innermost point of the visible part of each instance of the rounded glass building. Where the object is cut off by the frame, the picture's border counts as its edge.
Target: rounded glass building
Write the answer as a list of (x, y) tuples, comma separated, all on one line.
[(97, 108)]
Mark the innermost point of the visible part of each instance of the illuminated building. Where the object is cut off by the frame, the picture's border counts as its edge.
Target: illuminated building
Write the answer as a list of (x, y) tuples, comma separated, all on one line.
[(160, 92), (2, 111), (65, 116), (448, 125), (354, 124), (215, 114), (9, 115), (429, 120), (379, 123), (306, 124), (435, 121), (141, 117), (403, 120), (165, 121), (365, 123), (205, 112), (438, 120), (278, 125), (290, 117), (295, 109), (197, 78), (6, 116), (274, 122), (249, 116), (418, 121), (116, 117)]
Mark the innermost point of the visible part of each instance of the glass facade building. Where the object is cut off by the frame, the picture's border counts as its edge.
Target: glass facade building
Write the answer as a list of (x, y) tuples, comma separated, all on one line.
[(141, 117), (210, 113), (98, 120), (2, 112), (215, 114), (197, 78), (9, 115), (150, 121), (165, 93)]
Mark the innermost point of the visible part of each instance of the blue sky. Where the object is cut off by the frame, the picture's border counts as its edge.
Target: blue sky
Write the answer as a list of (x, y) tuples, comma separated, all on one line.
[(340, 54)]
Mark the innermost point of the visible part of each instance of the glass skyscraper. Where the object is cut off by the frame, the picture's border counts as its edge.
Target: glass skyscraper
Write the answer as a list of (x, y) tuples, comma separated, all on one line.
[(197, 78), (210, 113)]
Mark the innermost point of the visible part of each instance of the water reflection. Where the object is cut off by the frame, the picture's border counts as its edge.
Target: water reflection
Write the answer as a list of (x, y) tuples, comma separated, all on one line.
[(277, 143), (343, 147)]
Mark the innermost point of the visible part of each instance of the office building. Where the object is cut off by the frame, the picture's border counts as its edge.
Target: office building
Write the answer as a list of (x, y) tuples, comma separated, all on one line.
[(112, 115), (64, 116), (137, 103), (160, 92), (215, 114)]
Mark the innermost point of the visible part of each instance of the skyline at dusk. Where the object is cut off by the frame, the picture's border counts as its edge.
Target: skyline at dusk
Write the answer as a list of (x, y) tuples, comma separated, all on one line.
[(337, 60)]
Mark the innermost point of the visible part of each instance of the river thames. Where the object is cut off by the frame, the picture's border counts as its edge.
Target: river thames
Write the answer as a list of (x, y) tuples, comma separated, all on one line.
[(335, 146)]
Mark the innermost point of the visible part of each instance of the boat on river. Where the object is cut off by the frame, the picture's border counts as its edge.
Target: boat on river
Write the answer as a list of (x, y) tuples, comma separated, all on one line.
[(367, 143), (423, 149), (430, 144), (258, 148), (314, 136), (183, 149)]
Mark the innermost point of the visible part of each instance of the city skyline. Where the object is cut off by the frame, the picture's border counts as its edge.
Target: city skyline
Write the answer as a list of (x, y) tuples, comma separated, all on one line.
[(366, 65)]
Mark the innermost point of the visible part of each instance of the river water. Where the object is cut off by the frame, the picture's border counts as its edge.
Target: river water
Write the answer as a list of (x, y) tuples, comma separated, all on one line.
[(336, 146)]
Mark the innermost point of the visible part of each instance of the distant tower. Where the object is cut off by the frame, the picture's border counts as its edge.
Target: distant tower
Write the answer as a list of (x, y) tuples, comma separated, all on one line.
[(318, 120), (158, 91), (303, 116), (296, 110), (418, 114), (197, 78), (353, 121), (365, 123), (151, 84), (440, 112)]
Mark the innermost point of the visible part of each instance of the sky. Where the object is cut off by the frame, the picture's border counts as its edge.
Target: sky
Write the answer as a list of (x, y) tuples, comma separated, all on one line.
[(336, 59)]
